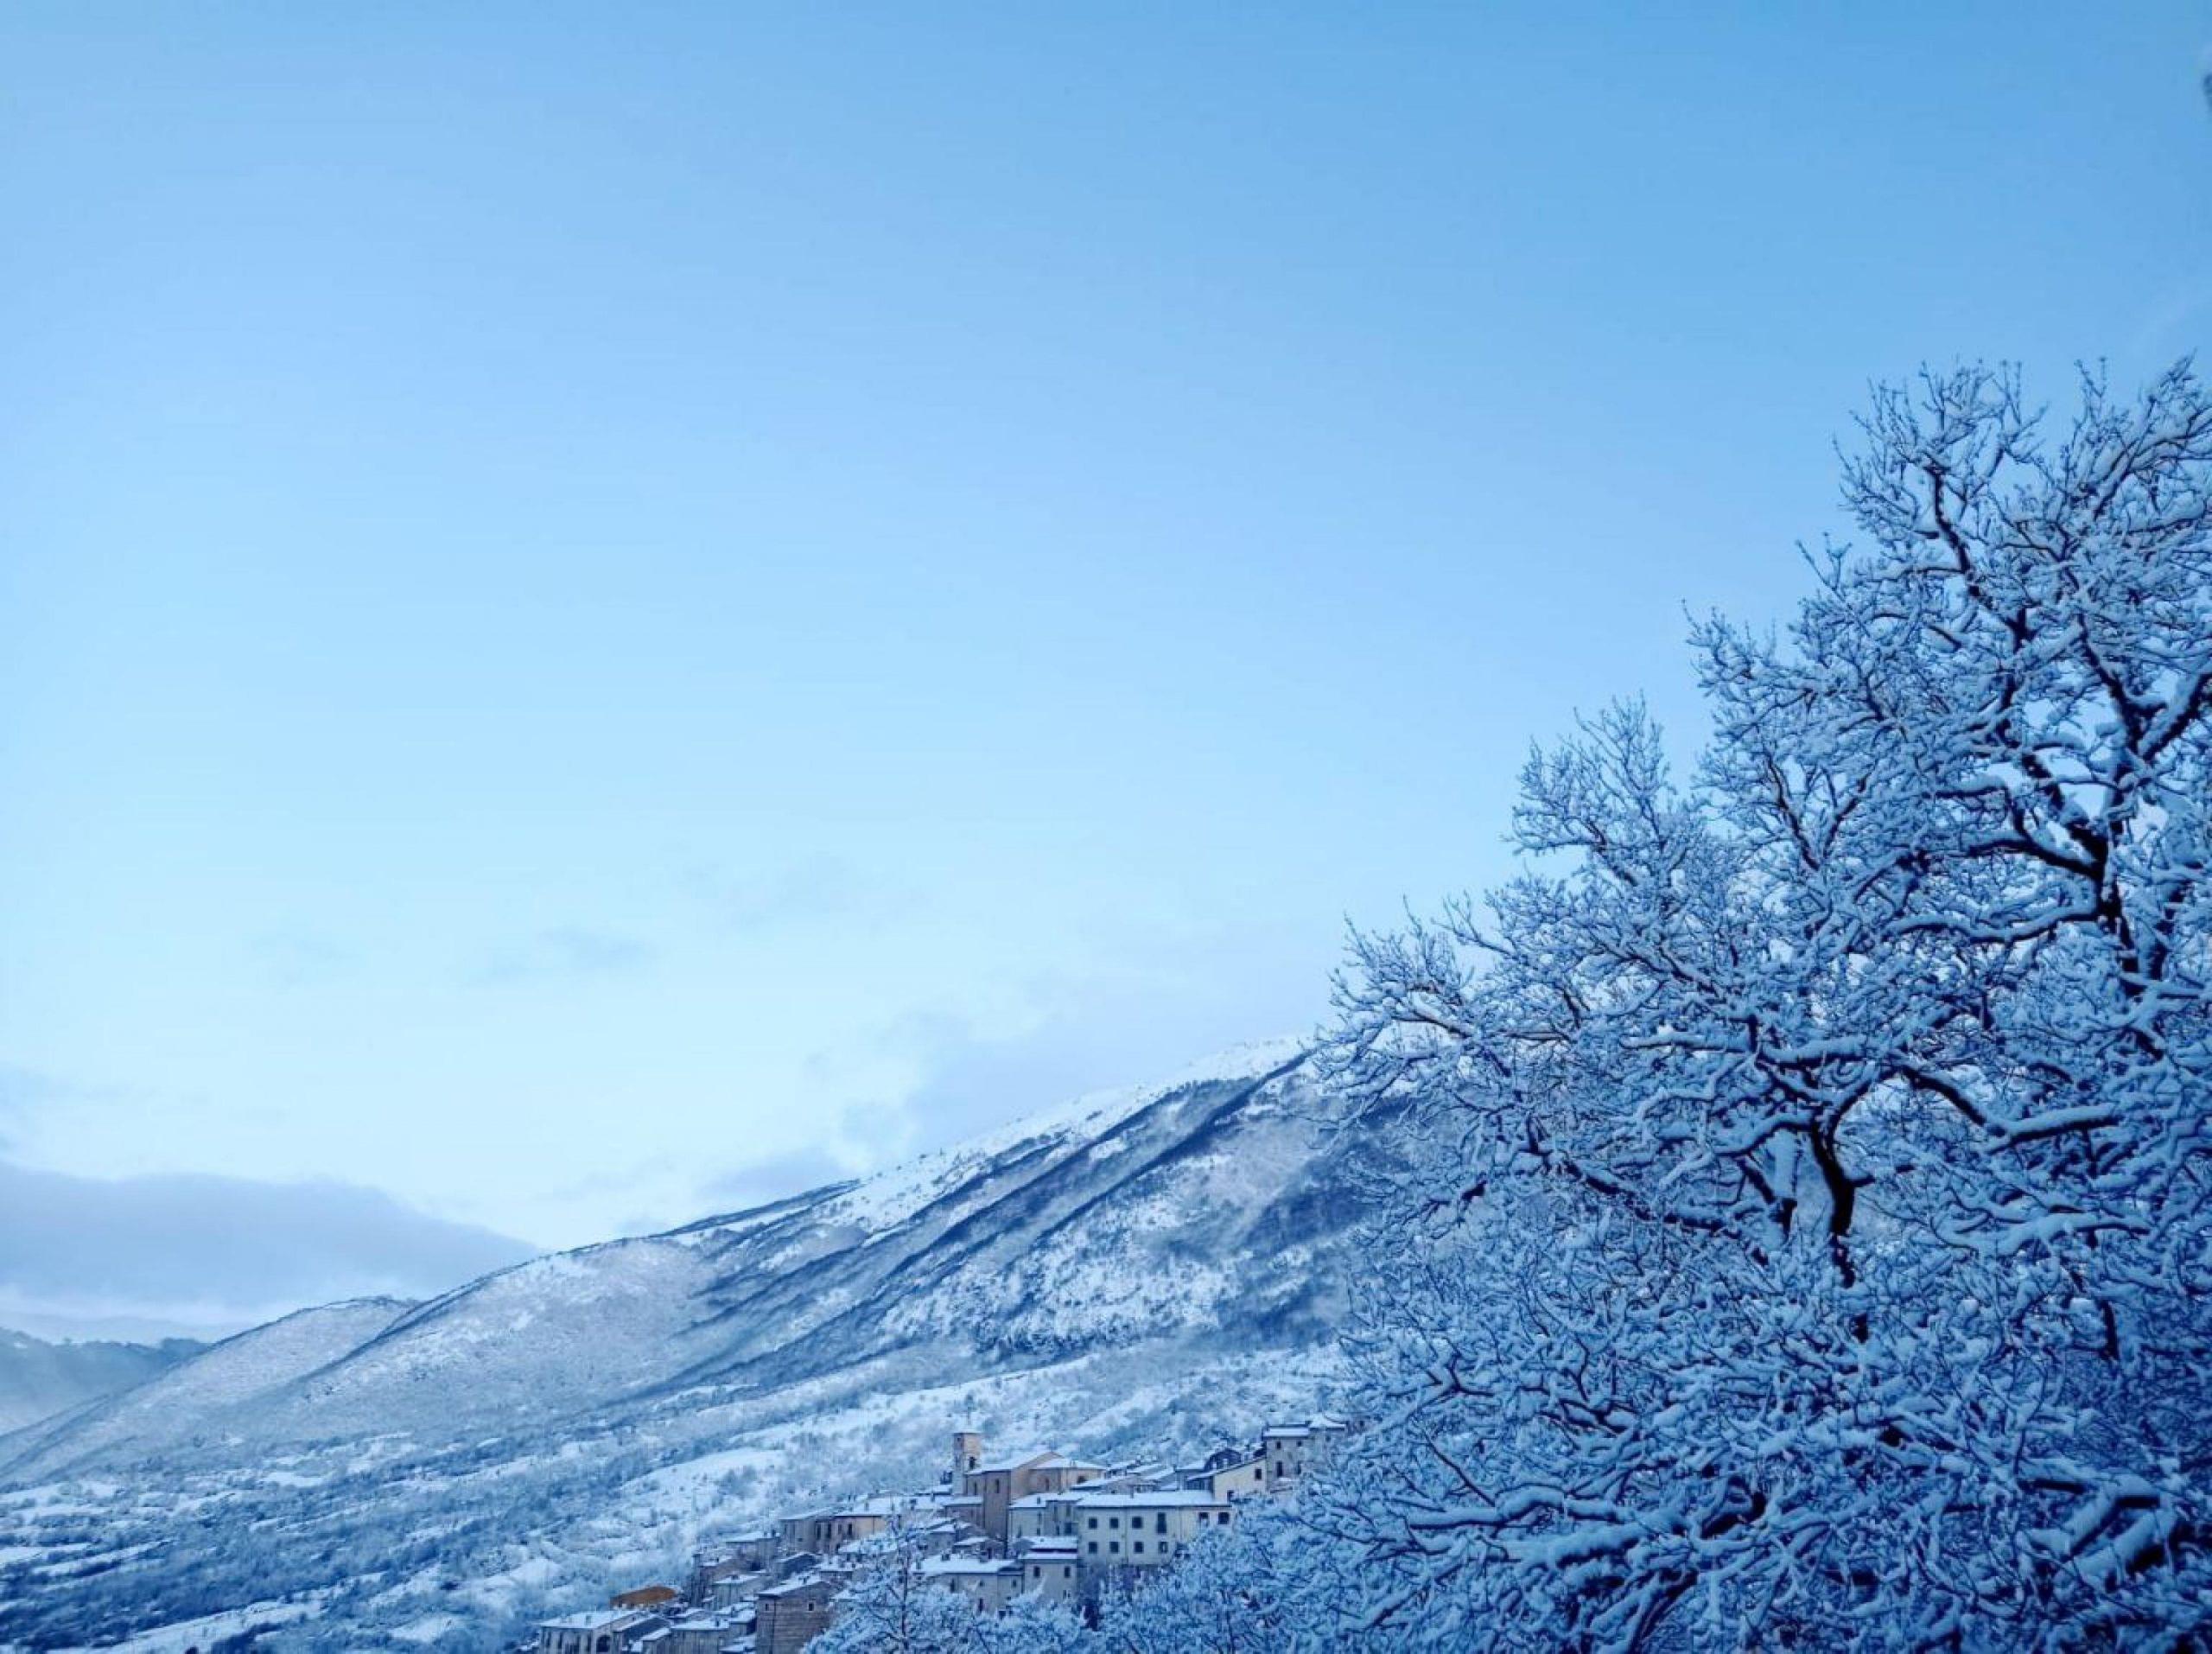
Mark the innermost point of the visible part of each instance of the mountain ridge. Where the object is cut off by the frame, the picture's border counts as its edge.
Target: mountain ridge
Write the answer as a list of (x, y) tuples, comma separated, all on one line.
[(1137, 1267)]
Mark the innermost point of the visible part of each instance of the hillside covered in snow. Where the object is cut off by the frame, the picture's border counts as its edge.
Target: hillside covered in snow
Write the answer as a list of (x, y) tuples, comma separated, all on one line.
[(1152, 1265), (39, 1379)]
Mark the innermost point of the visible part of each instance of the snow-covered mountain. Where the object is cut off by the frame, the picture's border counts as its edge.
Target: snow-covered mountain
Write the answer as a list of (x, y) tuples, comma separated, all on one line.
[(39, 1379), (1153, 1267)]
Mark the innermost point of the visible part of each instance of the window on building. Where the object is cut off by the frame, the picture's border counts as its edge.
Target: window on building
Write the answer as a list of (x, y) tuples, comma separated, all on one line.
[(1113, 1545), (1113, 1521), (1160, 1522), (1093, 1522), (1094, 1547), (1138, 1548)]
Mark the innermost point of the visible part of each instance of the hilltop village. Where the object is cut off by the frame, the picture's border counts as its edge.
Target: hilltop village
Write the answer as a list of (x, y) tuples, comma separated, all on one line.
[(993, 1529)]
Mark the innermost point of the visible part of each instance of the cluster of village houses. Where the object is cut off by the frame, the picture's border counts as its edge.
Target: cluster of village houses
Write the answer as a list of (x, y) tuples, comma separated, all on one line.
[(992, 1530)]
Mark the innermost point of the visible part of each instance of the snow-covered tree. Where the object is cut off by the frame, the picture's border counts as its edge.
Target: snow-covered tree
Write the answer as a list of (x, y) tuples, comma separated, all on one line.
[(1233, 1591), (1033, 1625), (1812, 1242), (893, 1606)]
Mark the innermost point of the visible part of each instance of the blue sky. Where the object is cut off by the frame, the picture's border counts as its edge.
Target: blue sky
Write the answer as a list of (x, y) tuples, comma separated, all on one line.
[(607, 610)]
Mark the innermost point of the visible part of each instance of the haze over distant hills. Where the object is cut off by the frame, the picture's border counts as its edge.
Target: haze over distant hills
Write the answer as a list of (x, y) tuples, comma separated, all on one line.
[(39, 1379), (1154, 1267)]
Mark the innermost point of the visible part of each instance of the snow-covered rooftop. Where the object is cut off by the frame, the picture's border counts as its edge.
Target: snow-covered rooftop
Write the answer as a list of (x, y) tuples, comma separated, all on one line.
[(1023, 1461), (888, 1504), (1039, 1501), (1166, 1498), (969, 1566), (1320, 1424)]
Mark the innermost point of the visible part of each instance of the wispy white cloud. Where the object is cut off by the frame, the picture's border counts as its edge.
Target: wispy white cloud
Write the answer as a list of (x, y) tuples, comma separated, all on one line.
[(296, 957), (24, 1091), (567, 950), (823, 888), (1128, 1021), (757, 1182)]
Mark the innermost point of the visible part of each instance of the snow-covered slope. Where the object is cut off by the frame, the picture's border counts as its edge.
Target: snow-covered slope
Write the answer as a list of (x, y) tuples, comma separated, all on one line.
[(39, 1379), (1169, 1230), (197, 1392)]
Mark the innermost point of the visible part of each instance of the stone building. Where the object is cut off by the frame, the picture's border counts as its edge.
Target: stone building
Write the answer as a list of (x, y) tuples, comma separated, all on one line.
[(967, 1454), (1042, 1516), (726, 1555), (1235, 1479), (1050, 1568), (1290, 1451), (601, 1630), (999, 1483), (990, 1583), (695, 1633), (865, 1518), (787, 1617), (963, 1508), (804, 1530), (1139, 1477), (1134, 1530), (734, 1591), (991, 1530)]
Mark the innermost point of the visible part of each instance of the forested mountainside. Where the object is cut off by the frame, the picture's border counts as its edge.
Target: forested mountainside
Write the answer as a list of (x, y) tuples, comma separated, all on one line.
[(1149, 1264)]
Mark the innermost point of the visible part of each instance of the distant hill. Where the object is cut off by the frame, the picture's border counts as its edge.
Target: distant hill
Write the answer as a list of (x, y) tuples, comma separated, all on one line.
[(1153, 1268), (39, 1379)]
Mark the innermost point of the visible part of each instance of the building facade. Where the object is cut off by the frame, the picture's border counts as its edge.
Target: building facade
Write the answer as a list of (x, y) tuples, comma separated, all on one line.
[(1051, 1568), (1120, 1531), (603, 1630), (1290, 1452), (787, 1617), (999, 1485)]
